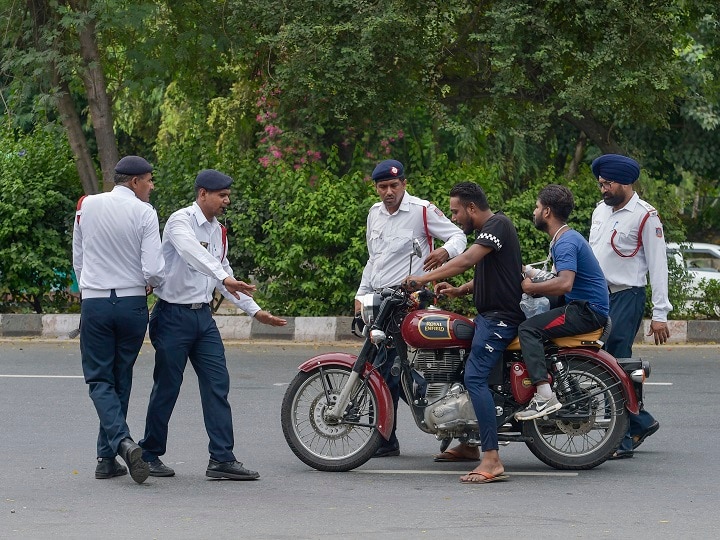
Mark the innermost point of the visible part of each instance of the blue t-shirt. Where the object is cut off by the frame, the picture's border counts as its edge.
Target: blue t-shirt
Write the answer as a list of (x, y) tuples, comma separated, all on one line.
[(572, 252)]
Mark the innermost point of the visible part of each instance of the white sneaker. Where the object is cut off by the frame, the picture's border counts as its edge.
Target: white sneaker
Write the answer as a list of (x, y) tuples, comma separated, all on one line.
[(539, 407)]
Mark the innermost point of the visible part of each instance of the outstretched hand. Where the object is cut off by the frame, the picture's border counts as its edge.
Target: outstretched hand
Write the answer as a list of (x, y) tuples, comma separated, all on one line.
[(266, 317), (234, 287)]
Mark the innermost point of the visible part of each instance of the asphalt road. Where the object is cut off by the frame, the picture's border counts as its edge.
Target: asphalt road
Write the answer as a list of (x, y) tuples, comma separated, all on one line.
[(47, 450)]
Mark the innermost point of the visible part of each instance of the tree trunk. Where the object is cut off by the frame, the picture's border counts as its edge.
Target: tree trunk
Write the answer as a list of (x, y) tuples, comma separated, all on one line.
[(73, 127), (98, 100), (595, 131), (577, 156)]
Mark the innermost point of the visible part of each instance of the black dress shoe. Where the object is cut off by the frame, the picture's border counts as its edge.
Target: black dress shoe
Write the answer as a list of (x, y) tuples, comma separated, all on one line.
[(232, 470), (108, 468), (387, 451), (131, 453), (158, 468), (638, 439)]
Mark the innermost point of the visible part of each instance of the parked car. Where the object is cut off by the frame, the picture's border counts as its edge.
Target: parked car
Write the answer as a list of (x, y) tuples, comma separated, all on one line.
[(702, 261)]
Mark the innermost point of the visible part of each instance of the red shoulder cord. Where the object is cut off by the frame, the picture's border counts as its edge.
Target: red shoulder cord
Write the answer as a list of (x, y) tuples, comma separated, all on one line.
[(639, 241), (223, 230), (79, 206)]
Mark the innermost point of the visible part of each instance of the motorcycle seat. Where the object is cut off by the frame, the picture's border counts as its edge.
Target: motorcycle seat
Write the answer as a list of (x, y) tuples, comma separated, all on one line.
[(590, 339)]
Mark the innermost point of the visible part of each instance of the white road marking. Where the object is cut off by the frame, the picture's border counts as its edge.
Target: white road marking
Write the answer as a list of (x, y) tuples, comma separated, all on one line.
[(455, 473), (40, 376), (659, 383)]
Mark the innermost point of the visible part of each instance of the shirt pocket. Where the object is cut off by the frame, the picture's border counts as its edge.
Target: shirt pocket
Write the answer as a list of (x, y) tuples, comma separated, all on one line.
[(400, 241)]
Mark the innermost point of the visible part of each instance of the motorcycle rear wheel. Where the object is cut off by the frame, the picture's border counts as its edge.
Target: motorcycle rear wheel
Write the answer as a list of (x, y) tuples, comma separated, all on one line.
[(323, 444), (582, 443)]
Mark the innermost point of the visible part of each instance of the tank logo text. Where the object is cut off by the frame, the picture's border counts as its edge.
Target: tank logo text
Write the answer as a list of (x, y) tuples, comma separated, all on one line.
[(435, 327)]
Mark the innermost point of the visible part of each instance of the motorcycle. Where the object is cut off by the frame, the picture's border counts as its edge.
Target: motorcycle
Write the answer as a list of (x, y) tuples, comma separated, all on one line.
[(338, 407)]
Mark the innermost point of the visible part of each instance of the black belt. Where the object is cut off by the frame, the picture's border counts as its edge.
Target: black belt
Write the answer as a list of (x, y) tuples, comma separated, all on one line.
[(197, 305)]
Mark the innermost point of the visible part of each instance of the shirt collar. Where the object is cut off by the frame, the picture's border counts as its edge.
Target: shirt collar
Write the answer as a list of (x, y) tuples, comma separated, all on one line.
[(200, 217), (123, 191), (404, 205), (631, 204)]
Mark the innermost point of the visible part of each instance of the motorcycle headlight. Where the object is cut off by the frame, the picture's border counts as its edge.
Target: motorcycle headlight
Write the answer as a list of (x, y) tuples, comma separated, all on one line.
[(370, 307)]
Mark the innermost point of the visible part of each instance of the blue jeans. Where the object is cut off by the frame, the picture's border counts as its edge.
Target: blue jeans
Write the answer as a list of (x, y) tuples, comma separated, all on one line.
[(626, 311), (490, 340)]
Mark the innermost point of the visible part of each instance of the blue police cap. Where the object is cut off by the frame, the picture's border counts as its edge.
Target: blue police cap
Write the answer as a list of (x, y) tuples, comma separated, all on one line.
[(388, 170), (212, 180), (617, 168), (133, 166)]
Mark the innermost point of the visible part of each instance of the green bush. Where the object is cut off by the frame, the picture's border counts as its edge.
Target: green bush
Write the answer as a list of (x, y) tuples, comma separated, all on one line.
[(40, 187)]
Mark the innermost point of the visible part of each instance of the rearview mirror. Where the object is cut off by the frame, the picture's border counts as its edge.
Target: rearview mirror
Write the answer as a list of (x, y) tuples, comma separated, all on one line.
[(417, 250)]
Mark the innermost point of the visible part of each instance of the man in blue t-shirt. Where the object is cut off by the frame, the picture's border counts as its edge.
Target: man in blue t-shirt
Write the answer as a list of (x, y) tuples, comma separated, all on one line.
[(579, 279)]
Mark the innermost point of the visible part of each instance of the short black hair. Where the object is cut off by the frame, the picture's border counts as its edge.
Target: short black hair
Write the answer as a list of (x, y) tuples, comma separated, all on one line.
[(469, 192), (558, 199)]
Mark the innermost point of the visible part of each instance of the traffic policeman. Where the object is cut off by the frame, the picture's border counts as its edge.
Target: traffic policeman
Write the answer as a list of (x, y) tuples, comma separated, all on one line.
[(195, 248), (117, 260)]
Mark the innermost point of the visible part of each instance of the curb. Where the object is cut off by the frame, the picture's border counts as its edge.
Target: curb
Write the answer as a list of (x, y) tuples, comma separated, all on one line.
[(306, 329)]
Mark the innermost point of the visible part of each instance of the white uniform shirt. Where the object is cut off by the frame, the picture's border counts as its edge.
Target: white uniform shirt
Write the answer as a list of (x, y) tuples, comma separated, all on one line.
[(196, 261), (651, 257), (116, 242), (389, 241)]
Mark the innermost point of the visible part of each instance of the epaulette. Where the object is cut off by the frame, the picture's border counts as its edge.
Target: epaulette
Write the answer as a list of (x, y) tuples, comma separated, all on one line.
[(648, 207)]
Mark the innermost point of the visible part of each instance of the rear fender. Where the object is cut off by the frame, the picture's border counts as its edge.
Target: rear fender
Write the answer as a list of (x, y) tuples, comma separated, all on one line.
[(375, 381), (608, 361)]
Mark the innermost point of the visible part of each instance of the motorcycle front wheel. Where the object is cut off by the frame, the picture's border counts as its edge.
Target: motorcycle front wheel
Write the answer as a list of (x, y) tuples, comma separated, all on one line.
[(584, 437), (319, 441)]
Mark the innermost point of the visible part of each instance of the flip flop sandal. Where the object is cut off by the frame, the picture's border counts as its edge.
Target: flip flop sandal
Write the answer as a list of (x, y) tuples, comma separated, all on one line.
[(485, 477)]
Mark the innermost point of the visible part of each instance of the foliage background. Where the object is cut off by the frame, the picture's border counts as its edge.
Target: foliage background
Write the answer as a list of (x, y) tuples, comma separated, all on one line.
[(297, 100)]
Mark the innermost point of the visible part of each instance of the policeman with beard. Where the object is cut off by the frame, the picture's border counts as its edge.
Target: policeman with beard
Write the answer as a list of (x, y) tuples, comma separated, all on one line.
[(627, 237)]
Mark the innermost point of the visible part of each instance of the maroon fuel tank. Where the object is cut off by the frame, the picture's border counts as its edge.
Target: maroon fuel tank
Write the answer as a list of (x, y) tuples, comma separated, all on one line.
[(437, 329)]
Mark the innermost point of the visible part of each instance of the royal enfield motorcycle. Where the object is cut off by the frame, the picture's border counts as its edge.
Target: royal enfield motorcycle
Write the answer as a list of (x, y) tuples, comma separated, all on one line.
[(338, 407)]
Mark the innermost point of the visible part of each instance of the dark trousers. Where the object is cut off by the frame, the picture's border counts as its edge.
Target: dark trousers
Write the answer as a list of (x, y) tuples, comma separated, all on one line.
[(179, 333), (490, 340), (111, 335), (626, 311), (568, 320), (393, 383)]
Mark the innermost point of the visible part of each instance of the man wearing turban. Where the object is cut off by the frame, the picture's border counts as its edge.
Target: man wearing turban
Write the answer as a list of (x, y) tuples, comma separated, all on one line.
[(627, 238)]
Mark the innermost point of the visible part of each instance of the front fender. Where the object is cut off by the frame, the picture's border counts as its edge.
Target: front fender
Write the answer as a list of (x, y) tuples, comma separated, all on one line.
[(375, 381), (608, 361)]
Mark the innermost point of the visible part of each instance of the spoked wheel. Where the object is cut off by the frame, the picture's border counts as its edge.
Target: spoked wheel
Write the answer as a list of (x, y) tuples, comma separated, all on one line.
[(324, 443), (591, 424)]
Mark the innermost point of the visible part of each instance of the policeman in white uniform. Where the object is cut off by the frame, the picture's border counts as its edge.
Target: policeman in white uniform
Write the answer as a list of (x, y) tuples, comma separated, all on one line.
[(195, 248), (392, 225), (627, 238), (117, 260)]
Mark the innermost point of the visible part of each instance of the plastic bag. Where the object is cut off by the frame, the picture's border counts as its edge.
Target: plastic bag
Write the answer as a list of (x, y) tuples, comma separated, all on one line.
[(532, 306)]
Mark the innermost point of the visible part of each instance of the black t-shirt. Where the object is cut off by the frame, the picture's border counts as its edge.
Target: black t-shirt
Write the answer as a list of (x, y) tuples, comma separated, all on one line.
[(498, 275)]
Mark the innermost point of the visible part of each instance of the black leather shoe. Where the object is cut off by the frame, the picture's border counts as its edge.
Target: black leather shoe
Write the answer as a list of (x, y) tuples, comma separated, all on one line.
[(131, 454), (232, 470), (387, 451), (108, 468), (158, 468)]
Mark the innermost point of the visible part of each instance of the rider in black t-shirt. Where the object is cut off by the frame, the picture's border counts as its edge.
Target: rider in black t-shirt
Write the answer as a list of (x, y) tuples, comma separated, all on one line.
[(497, 292)]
